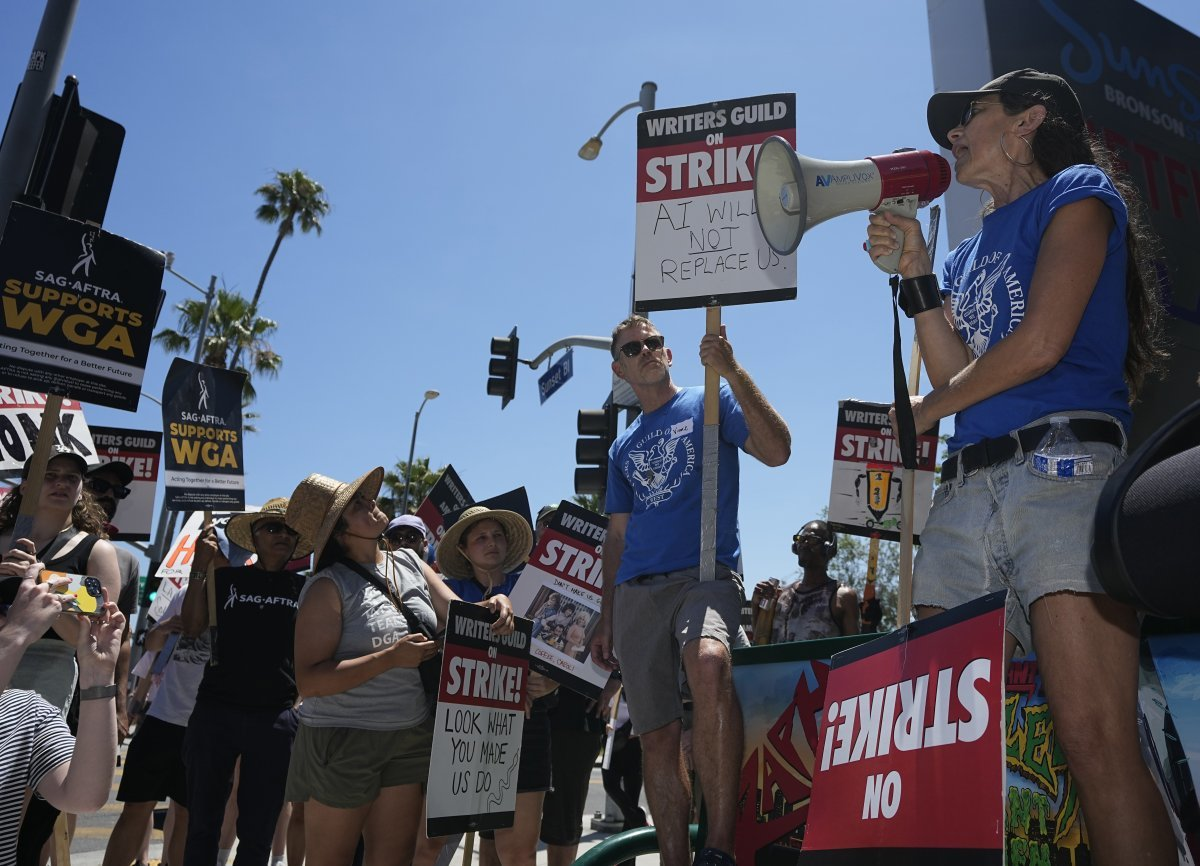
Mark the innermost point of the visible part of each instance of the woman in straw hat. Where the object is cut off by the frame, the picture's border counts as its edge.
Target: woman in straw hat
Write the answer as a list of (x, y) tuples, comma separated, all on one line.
[(481, 556), (362, 754), (245, 704)]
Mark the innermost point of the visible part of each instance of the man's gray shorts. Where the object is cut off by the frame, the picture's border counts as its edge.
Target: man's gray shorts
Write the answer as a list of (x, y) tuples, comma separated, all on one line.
[(654, 617)]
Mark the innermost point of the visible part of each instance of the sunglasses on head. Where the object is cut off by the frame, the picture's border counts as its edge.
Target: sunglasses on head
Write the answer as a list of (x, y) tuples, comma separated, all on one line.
[(634, 347), (99, 485), (274, 527)]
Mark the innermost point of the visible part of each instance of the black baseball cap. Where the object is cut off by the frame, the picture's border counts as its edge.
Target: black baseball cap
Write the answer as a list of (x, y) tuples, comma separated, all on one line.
[(122, 470), (59, 451), (946, 109)]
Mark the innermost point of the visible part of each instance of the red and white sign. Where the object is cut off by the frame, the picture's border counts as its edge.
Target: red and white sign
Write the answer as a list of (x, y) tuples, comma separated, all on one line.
[(911, 754), (478, 722), (140, 450), (698, 240), (867, 482), (20, 420)]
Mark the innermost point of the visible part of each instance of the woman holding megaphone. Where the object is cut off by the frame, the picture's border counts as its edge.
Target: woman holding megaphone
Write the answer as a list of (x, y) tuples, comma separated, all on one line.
[(1046, 324)]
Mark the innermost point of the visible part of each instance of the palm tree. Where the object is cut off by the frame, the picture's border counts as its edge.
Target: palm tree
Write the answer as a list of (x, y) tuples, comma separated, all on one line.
[(590, 501), (232, 327), (294, 197), (422, 481)]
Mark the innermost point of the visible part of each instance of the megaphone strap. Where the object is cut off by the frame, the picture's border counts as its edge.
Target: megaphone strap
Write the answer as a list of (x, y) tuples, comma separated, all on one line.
[(905, 425)]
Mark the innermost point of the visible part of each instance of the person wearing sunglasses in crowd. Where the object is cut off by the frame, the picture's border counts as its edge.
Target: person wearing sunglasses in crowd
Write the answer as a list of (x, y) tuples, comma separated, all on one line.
[(245, 704), (407, 531), (1051, 310), (109, 485), (651, 558), (815, 606)]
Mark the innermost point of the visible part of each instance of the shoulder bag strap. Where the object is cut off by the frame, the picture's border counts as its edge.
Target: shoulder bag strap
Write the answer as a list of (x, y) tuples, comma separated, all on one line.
[(415, 625)]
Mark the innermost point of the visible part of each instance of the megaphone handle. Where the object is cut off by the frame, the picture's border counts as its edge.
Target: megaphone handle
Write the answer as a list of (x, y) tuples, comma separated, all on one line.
[(904, 206)]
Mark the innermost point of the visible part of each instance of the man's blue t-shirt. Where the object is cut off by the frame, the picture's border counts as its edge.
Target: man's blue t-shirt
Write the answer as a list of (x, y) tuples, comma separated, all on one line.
[(988, 277), (654, 475)]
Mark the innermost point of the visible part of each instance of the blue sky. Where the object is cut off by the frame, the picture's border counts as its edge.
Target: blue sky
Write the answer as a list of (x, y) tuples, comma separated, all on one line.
[(446, 136)]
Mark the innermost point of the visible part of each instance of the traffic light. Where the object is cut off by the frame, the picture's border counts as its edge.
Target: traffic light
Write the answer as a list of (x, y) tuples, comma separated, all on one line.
[(597, 431), (502, 369)]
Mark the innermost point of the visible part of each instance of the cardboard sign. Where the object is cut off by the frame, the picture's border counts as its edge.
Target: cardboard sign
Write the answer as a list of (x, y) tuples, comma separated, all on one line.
[(479, 719), (698, 241), (516, 501), (79, 305), (447, 496), (864, 495), (782, 692), (559, 590), (139, 449), (202, 423), (20, 420), (911, 760)]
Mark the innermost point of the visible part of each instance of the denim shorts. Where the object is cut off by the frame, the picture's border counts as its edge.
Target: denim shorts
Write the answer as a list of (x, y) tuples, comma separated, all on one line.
[(654, 617), (1009, 526)]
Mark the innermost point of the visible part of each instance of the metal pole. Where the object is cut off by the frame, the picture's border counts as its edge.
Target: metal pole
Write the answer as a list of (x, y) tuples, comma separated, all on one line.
[(412, 447), (32, 104)]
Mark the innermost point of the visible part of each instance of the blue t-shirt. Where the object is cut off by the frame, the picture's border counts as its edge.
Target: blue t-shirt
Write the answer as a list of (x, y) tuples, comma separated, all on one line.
[(988, 276), (468, 589), (654, 475)]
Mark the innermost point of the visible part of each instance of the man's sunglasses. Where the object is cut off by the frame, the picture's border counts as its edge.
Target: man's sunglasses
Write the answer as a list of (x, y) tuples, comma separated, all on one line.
[(99, 485), (405, 536), (274, 527), (634, 347)]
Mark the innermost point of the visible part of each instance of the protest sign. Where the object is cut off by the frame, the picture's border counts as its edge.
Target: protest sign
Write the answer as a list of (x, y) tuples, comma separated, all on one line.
[(177, 563), (447, 496), (202, 423), (782, 691), (139, 450), (911, 756), (559, 590), (1170, 700), (80, 306), (697, 238), (478, 722), (20, 420), (864, 495)]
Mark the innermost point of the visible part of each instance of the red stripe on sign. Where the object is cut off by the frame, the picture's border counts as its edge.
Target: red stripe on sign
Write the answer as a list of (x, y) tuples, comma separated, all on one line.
[(563, 557), (472, 676), (878, 448), (697, 168)]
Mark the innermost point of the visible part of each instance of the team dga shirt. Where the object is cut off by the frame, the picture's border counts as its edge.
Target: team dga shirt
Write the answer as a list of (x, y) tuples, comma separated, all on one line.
[(256, 626), (654, 475)]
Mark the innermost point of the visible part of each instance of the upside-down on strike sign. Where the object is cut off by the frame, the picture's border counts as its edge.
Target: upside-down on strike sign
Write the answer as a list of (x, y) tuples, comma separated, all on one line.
[(911, 762), (478, 722), (698, 241), (202, 423), (78, 308), (21, 419)]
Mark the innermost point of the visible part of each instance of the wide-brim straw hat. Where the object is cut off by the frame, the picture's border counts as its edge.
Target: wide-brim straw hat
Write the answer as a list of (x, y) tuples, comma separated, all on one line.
[(240, 529), (452, 561), (318, 501)]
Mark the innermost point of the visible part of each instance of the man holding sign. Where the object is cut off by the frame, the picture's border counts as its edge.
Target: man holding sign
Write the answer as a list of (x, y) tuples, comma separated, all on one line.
[(651, 563)]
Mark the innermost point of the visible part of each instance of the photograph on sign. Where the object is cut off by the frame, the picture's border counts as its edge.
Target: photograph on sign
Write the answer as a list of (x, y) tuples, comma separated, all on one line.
[(478, 722), (867, 480), (128, 473), (80, 306), (559, 591), (697, 237), (202, 425), (21, 419), (911, 754)]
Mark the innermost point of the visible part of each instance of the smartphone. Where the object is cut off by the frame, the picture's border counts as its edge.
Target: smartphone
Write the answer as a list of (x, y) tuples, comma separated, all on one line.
[(86, 594)]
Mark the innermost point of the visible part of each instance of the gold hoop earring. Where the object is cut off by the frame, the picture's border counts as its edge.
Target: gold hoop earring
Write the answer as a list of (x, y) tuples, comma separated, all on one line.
[(1009, 157)]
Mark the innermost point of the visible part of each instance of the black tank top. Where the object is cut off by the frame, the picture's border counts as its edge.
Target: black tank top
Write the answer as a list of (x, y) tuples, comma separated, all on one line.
[(74, 561)]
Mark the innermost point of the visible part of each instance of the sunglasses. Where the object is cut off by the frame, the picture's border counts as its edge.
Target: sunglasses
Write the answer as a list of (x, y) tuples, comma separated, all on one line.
[(99, 485), (809, 538), (973, 108), (409, 536), (634, 347), (274, 527)]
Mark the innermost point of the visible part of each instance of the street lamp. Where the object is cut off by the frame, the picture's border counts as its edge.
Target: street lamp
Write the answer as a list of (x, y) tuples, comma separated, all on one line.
[(412, 446), (591, 147)]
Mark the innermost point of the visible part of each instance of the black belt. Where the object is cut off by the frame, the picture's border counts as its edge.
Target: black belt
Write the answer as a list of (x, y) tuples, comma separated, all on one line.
[(992, 451)]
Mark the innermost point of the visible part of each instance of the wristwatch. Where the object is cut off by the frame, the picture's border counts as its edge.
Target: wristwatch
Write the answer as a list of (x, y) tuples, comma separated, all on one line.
[(98, 693)]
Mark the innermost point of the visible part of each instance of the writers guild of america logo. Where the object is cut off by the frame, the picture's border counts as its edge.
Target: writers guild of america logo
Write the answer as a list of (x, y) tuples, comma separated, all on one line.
[(88, 257)]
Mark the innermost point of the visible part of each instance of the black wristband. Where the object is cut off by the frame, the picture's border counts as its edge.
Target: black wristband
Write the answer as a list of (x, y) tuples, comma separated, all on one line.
[(98, 693), (919, 294)]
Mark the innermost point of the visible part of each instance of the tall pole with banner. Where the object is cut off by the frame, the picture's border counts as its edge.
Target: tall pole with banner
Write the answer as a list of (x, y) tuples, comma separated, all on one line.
[(698, 244)]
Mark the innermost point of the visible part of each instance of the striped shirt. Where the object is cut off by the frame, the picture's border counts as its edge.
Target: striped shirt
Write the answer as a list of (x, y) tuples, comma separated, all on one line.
[(34, 740)]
